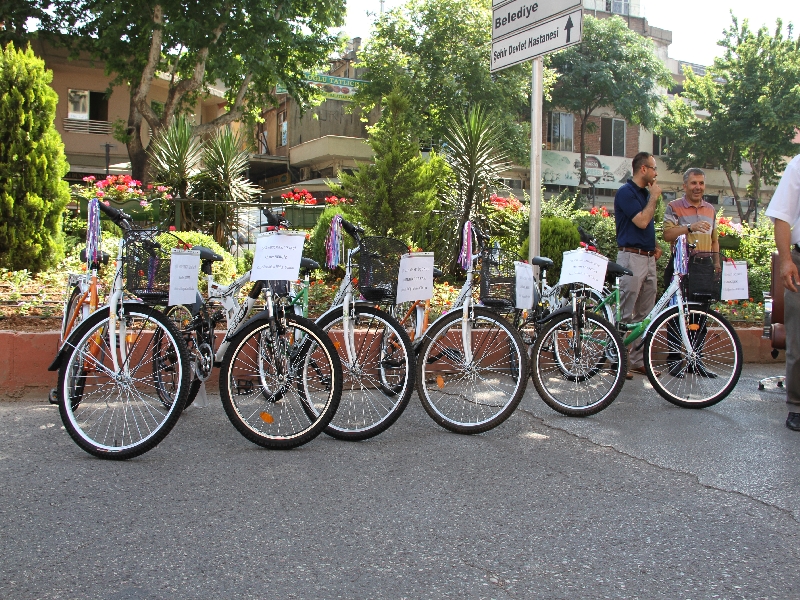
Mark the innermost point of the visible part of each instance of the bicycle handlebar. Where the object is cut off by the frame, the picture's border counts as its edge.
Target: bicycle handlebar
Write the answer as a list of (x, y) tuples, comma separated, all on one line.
[(119, 217), (352, 230), (273, 220)]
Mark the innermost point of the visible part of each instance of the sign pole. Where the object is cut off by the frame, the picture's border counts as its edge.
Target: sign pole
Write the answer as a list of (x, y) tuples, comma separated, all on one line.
[(537, 97)]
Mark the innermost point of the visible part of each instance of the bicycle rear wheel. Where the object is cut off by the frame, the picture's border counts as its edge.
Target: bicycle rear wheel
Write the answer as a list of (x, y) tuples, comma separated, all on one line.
[(124, 414), (379, 381), (280, 389), (701, 375), (578, 365), (474, 389)]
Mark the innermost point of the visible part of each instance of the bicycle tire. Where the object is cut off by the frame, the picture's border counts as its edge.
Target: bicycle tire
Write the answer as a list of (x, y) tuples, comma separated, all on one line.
[(280, 417), (181, 317), (578, 381), (69, 310), (693, 381), (123, 417), (375, 392), (444, 393)]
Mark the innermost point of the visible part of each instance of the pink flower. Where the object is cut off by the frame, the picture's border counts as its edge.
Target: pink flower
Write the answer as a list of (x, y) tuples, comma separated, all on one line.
[(169, 196), (89, 179), (172, 227), (99, 193), (144, 203), (161, 188)]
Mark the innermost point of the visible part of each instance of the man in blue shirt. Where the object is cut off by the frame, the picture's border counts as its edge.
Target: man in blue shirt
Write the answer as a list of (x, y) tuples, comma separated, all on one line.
[(634, 208)]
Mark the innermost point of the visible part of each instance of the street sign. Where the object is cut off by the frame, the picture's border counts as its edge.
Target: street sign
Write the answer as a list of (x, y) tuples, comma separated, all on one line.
[(546, 37), (519, 14)]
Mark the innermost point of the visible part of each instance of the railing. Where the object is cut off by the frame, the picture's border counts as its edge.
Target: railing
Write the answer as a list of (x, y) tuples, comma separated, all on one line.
[(81, 126)]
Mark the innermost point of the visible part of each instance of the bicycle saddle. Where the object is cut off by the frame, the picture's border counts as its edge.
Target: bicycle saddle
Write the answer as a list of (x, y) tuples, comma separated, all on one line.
[(103, 257), (307, 263), (541, 261), (616, 270), (207, 254), (437, 273)]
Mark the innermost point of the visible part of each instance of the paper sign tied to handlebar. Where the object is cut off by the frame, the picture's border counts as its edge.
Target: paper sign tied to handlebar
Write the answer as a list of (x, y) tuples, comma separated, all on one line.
[(415, 278), (580, 266), (184, 269), (278, 255), (524, 285)]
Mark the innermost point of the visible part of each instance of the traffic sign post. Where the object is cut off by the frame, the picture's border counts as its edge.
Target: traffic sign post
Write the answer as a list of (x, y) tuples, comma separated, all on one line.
[(528, 29)]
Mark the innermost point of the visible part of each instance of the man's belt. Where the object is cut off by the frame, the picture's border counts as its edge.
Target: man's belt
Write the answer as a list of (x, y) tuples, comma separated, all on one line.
[(636, 251)]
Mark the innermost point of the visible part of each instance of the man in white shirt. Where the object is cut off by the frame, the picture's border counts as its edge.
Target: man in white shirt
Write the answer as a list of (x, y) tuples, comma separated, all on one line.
[(784, 210)]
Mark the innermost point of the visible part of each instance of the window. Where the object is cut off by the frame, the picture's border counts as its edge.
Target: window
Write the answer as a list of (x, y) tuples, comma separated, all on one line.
[(84, 105), (618, 7), (283, 129), (612, 137), (660, 143), (559, 131), (514, 184)]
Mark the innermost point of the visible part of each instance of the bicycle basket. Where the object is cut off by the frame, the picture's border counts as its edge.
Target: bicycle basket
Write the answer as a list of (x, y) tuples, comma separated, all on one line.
[(146, 257), (379, 266), (498, 279), (703, 281)]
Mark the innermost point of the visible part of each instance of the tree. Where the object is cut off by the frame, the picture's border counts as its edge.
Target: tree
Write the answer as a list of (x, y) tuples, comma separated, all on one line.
[(33, 193), (14, 15), (246, 46), (437, 53), (611, 67), (752, 96), (477, 159), (397, 193)]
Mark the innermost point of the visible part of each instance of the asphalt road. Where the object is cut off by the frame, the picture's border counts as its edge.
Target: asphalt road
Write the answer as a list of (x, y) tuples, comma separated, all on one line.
[(644, 500)]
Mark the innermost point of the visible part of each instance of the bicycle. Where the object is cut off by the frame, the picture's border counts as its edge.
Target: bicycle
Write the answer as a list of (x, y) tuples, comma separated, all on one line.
[(374, 349), (280, 378), (692, 354), (471, 364), (122, 382)]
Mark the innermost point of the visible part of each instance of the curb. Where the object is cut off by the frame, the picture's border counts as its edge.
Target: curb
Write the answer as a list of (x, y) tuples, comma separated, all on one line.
[(25, 356)]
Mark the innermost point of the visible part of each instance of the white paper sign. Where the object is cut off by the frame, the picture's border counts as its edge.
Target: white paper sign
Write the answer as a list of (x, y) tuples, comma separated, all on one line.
[(184, 269), (415, 278), (524, 285), (582, 266), (734, 280), (278, 255)]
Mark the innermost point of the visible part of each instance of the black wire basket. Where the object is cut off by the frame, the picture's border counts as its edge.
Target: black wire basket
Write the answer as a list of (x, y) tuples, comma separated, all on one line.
[(379, 266), (703, 280), (498, 286), (146, 257)]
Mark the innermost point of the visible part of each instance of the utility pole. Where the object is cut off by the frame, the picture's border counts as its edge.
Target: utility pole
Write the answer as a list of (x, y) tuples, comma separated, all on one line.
[(108, 148)]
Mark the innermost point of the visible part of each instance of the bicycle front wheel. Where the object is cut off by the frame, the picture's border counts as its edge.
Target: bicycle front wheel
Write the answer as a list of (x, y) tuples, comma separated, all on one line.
[(704, 373), (379, 379), (124, 413), (471, 375), (578, 365), (280, 389)]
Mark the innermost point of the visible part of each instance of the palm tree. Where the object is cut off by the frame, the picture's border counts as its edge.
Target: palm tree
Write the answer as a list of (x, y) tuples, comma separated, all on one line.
[(175, 159), (225, 160), (475, 154)]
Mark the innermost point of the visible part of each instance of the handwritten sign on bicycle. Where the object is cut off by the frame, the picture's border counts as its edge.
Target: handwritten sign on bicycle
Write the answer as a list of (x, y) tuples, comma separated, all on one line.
[(582, 266), (524, 285), (734, 280), (278, 255), (415, 277), (184, 270)]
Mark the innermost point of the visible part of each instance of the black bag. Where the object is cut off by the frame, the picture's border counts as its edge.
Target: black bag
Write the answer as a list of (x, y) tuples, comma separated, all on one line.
[(703, 282)]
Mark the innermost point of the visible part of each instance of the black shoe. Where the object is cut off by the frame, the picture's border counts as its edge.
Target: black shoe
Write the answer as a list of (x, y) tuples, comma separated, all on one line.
[(700, 369), (793, 421), (678, 371)]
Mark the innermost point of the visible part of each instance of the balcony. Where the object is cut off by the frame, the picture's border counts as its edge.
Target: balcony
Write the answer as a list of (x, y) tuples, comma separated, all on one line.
[(86, 126)]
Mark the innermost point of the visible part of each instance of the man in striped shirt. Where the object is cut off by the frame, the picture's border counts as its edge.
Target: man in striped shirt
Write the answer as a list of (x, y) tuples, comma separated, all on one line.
[(697, 220), (692, 216)]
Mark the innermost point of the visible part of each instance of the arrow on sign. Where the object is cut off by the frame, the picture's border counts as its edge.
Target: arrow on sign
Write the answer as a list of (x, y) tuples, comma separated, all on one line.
[(567, 28)]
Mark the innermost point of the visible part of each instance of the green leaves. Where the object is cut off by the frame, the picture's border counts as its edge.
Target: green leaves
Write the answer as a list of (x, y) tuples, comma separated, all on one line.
[(33, 193)]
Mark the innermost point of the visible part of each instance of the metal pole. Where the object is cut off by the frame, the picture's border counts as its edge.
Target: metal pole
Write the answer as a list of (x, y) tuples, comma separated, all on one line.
[(537, 97)]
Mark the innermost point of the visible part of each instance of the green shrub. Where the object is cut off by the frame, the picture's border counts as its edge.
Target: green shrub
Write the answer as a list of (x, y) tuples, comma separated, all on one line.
[(224, 271), (32, 164), (557, 236)]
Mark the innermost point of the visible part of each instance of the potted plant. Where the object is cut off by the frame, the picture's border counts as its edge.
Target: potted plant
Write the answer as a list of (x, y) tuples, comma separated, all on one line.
[(123, 192), (302, 210), (729, 234)]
